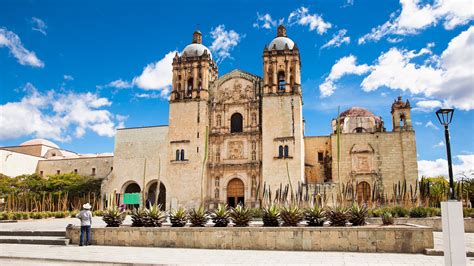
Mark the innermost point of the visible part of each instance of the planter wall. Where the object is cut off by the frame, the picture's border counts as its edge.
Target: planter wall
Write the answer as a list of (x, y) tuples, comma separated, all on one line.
[(434, 222), (397, 238)]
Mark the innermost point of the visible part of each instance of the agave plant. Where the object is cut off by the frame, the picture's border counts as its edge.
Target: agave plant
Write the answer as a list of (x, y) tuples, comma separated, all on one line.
[(338, 216), (113, 217), (155, 216), (241, 216), (387, 218), (178, 217), (198, 217), (291, 216), (139, 217), (314, 216), (220, 216), (358, 214), (271, 215)]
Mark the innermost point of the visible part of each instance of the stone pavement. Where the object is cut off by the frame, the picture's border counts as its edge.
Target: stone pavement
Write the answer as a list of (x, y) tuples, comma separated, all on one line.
[(142, 255)]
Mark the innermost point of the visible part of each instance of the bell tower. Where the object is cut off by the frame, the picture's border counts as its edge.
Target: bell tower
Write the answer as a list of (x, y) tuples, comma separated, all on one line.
[(193, 72), (282, 117), (401, 115)]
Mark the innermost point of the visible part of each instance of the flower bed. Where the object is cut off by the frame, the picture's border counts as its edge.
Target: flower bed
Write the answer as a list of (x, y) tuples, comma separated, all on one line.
[(370, 238)]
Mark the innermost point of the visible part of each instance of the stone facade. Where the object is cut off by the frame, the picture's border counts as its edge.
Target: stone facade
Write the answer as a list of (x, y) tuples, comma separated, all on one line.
[(393, 239), (229, 135)]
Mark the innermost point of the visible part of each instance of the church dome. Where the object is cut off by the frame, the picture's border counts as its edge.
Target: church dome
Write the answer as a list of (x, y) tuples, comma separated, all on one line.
[(358, 112), (39, 142), (196, 49), (281, 41)]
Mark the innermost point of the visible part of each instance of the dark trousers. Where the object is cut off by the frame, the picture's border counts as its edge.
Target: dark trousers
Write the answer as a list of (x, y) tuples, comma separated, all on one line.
[(85, 229)]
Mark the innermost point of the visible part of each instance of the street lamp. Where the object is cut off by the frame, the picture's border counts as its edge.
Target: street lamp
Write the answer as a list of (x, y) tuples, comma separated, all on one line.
[(445, 116)]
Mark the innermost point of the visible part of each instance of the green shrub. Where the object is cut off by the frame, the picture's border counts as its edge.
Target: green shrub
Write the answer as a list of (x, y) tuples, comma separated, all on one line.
[(387, 218), (399, 211), (98, 213), (73, 213), (256, 213), (377, 212), (3, 216), (60, 214), (25, 215), (419, 212), (468, 212), (435, 211)]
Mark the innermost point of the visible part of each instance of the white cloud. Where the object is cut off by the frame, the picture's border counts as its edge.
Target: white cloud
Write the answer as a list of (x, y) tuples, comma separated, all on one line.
[(344, 66), (447, 78), (68, 77), (439, 145), (223, 42), (415, 16), (120, 84), (10, 40), (427, 105), (38, 25), (338, 39), (158, 75), (302, 17), (418, 123), (56, 115), (439, 167), (264, 21), (430, 124)]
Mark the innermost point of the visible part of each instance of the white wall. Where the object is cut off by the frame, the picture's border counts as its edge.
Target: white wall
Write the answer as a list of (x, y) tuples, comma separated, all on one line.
[(13, 163)]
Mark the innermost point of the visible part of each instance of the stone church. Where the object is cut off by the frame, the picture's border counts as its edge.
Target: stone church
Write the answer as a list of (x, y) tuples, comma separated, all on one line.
[(230, 134)]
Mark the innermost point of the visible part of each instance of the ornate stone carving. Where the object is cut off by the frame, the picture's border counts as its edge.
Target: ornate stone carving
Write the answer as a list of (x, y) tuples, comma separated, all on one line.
[(238, 93), (236, 149)]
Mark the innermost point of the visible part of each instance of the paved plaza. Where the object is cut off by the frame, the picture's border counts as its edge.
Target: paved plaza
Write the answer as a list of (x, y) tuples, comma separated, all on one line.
[(14, 254)]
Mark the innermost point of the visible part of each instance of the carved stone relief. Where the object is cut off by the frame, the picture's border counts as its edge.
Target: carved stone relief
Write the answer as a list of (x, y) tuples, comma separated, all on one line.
[(236, 150)]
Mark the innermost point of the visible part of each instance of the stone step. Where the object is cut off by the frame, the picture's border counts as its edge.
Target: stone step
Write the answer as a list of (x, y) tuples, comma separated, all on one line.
[(35, 240), (437, 252), (33, 233)]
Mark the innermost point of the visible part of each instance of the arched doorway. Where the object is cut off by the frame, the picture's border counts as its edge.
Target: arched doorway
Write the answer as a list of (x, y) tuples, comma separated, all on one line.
[(363, 192), (132, 188), (161, 196), (236, 121), (235, 192)]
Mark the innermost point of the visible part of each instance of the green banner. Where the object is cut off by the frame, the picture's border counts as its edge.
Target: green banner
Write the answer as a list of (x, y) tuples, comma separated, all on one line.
[(131, 198)]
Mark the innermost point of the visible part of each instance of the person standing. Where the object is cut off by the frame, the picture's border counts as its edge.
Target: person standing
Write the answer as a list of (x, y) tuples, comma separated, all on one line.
[(86, 221)]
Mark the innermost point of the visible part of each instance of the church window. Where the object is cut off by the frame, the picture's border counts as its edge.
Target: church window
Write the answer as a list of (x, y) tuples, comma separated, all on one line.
[(218, 120), (359, 130), (190, 86), (75, 171), (93, 172), (281, 81), (254, 155), (182, 155), (280, 151), (197, 149), (254, 118), (320, 157), (236, 123), (58, 172), (177, 155), (218, 156), (41, 173), (286, 151)]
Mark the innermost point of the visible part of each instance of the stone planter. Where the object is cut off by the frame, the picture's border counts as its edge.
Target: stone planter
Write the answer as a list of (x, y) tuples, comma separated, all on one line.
[(434, 222), (371, 238)]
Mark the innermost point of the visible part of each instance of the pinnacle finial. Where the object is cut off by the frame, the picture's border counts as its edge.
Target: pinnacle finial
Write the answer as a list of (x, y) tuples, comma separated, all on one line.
[(197, 37), (281, 31)]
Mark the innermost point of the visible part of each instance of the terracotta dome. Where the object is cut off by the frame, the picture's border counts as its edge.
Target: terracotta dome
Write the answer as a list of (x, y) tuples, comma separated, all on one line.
[(39, 142), (358, 112)]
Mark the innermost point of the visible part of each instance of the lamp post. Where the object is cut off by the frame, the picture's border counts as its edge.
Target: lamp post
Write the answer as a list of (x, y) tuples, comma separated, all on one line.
[(451, 210), (445, 116)]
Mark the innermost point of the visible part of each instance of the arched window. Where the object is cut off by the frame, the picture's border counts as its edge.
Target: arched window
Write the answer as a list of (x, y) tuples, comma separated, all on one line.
[(280, 151), (218, 120), (177, 155), (281, 81), (359, 130), (236, 121), (182, 155), (286, 151), (218, 156), (190, 86)]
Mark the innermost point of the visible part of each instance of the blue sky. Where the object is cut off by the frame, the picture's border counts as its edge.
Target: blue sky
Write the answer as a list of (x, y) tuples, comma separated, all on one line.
[(73, 72)]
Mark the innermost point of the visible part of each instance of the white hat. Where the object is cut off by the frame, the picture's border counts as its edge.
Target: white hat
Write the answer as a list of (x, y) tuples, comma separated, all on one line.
[(87, 206)]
